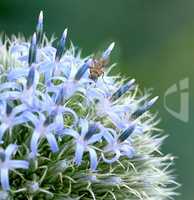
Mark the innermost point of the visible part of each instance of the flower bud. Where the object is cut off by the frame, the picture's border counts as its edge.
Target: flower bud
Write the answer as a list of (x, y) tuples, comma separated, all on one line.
[(32, 187), (82, 70), (39, 28), (61, 46), (123, 89), (32, 50), (140, 111), (30, 78), (126, 133), (107, 52)]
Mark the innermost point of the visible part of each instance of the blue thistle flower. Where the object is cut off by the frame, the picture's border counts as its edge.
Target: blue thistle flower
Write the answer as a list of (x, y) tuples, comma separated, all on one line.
[(44, 127), (10, 116), (100, 132), (89, 134), (120, 145), (115, 112)]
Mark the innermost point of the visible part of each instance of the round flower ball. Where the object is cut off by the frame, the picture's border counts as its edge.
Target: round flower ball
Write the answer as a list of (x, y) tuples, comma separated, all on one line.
[(71, 131)]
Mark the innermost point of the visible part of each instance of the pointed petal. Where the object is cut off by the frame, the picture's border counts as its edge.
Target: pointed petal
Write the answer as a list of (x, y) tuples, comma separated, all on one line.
[(15, 164), (9, 107), (127, 150), (46, 66), (92, 130), (79, 153), (10, 150), (71, 132), (34, 142), (93, 93), (95, 138), (9, 85), (3, 128), (5, 179), (32, 118), (59, 100), (10, 95), (84, 127), (30, 77), (59, 123), (17, 73), (108, 137), (93, 159), (52, 142), (70, 88), (19, 120), (18, 109), (116, 120)]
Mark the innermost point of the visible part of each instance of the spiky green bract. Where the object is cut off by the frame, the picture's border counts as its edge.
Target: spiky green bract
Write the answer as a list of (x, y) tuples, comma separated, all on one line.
[(129, 163)]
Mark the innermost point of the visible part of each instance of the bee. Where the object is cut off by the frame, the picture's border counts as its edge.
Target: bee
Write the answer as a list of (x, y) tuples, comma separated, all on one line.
[(97, 69), (98, 65)]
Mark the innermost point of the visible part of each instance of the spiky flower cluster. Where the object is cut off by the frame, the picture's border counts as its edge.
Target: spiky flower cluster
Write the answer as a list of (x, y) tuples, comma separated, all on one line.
[(68, 130)]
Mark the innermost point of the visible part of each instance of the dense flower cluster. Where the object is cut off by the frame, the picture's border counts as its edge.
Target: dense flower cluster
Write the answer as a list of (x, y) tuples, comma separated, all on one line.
[(70, 119)]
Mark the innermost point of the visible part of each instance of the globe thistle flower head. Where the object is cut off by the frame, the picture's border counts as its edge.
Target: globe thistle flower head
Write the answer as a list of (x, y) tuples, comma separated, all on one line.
[(81, 133), (32, 50)]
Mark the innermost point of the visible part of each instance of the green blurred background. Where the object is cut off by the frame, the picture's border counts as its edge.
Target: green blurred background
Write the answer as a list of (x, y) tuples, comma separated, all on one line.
[(154, 44)]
